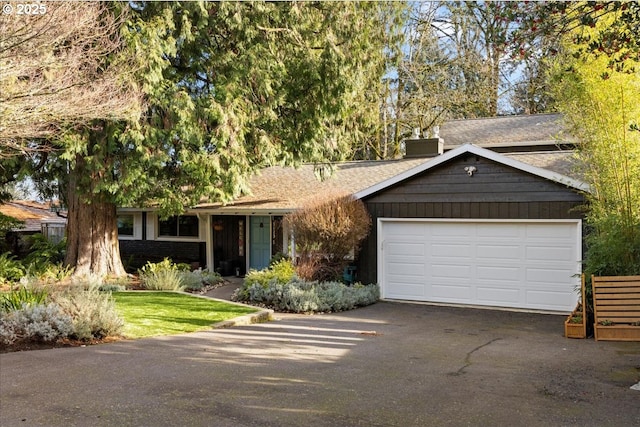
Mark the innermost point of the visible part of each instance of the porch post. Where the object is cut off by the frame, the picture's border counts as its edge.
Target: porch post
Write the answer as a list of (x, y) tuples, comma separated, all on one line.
[(208, 239)]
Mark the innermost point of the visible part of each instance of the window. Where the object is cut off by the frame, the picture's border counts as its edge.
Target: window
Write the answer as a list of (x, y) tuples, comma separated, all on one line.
[(179, 226), (125, 225)]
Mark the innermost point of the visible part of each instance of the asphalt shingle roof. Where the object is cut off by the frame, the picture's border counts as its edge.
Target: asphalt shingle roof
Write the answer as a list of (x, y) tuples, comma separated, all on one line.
[(288, 188), (34, 214), (505, 130), (284, 188)]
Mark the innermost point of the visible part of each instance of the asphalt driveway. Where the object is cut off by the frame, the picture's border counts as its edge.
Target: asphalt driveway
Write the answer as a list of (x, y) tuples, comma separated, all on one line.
[(388, 364)]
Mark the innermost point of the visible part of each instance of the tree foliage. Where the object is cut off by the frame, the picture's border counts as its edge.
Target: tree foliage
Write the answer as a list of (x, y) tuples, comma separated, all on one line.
[(593, 28), (228, 88), (458, 63), (604, 115)]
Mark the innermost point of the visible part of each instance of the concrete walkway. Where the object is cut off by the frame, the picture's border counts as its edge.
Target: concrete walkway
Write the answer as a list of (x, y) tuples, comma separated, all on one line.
[(225, 291), (385, 365)]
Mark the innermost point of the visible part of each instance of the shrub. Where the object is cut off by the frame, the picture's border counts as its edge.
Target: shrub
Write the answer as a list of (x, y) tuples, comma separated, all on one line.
[(17, 298), (300, 296), (34, 322), (11, 270), (279, 272), (43, 251), (112, 287), (93, 313), (163, 280), (328, 235), (198, 279), (49, 272), (163, 276)]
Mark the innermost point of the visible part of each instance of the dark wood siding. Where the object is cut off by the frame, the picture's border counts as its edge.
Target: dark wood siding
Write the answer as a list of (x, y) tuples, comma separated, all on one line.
[(494, 191)]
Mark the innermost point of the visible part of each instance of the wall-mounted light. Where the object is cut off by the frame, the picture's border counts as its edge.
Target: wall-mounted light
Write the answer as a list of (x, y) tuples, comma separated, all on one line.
[(261, 224), (470, 170)]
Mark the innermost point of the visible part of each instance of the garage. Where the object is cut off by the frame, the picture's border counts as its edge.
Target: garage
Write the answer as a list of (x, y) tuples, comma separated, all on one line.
[(523, 264)]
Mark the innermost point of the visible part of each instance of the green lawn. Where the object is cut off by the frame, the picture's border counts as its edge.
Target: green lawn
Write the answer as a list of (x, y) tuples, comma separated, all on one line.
[(149, 314)]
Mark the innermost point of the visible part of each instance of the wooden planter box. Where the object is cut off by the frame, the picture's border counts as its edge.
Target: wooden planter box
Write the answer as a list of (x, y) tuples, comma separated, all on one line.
[(575, 330), (617, 332), (616, 303)]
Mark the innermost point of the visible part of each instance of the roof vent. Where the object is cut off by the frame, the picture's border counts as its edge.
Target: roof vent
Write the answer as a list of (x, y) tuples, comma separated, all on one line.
[(423, 147)]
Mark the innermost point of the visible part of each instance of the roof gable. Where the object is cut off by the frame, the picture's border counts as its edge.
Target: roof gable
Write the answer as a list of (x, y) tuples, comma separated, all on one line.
[(482, 152)]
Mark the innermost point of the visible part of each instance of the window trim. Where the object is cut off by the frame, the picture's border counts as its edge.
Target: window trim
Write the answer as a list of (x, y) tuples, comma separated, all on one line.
[(158, 236), (137, 226)]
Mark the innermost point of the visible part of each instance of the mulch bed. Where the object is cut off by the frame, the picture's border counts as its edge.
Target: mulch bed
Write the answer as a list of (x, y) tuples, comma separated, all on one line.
[(63, 343)]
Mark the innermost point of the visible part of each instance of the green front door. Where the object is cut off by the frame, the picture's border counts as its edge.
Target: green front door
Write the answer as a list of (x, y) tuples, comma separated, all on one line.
[(259, 242)]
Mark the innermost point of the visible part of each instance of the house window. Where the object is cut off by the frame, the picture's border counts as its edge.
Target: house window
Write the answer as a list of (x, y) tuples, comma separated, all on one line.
[(179, 226), (125, 225)]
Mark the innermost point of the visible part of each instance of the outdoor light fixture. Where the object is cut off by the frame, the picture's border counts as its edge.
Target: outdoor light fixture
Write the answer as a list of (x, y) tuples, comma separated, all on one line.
[(470, 170)]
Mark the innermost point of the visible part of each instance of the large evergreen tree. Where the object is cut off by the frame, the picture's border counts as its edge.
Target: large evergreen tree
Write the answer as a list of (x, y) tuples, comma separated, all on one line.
[(230, 87)]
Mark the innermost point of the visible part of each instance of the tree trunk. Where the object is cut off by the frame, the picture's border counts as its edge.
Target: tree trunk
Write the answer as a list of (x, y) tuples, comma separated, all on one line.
[(92, 236)]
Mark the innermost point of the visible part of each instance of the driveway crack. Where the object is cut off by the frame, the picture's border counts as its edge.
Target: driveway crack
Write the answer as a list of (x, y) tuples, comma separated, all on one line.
[(467, 359)]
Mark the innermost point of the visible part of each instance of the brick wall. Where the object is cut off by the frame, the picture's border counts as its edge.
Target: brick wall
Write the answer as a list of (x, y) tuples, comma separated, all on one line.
[(136, 253)]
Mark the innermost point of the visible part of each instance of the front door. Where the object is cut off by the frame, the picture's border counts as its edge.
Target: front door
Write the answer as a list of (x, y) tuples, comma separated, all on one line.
[(260, 242)]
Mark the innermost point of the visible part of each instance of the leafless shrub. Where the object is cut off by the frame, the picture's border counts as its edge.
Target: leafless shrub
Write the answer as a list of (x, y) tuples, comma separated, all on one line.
[(327, 233)]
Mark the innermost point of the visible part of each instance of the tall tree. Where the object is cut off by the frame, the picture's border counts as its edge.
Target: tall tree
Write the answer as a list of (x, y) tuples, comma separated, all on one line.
[(230, 87), (476, 36)]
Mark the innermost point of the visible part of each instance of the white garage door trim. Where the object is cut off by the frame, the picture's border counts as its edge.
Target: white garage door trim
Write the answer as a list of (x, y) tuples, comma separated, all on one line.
[(514, 264)]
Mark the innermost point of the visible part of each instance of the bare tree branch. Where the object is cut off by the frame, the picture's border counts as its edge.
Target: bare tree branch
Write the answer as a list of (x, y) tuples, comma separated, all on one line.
[(64, 67)]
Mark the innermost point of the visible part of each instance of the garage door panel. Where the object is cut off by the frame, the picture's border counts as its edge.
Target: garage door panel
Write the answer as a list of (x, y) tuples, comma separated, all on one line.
[(449, 231), (519, 264), (548, 252), (499, 230), (439, 250), (401, 269), (505, 295), (498, 273), (452, 271), (548, 231), (442, 292), (508, 252), (547, 275), (410, 291), (549, 300), (405, 248)]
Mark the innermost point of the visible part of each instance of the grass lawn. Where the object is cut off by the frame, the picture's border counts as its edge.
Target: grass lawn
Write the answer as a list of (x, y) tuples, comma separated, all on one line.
[(149, 314)]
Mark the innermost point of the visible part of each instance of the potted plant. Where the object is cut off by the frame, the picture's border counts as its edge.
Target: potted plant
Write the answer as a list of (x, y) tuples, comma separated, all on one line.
[(575, 325)]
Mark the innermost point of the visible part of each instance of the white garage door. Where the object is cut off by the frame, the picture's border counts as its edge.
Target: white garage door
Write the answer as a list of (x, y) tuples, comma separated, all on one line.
[(530, 265)]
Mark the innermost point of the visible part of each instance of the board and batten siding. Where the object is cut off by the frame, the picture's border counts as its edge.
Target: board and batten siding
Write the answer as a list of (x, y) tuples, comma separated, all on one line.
[(494, 191)]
